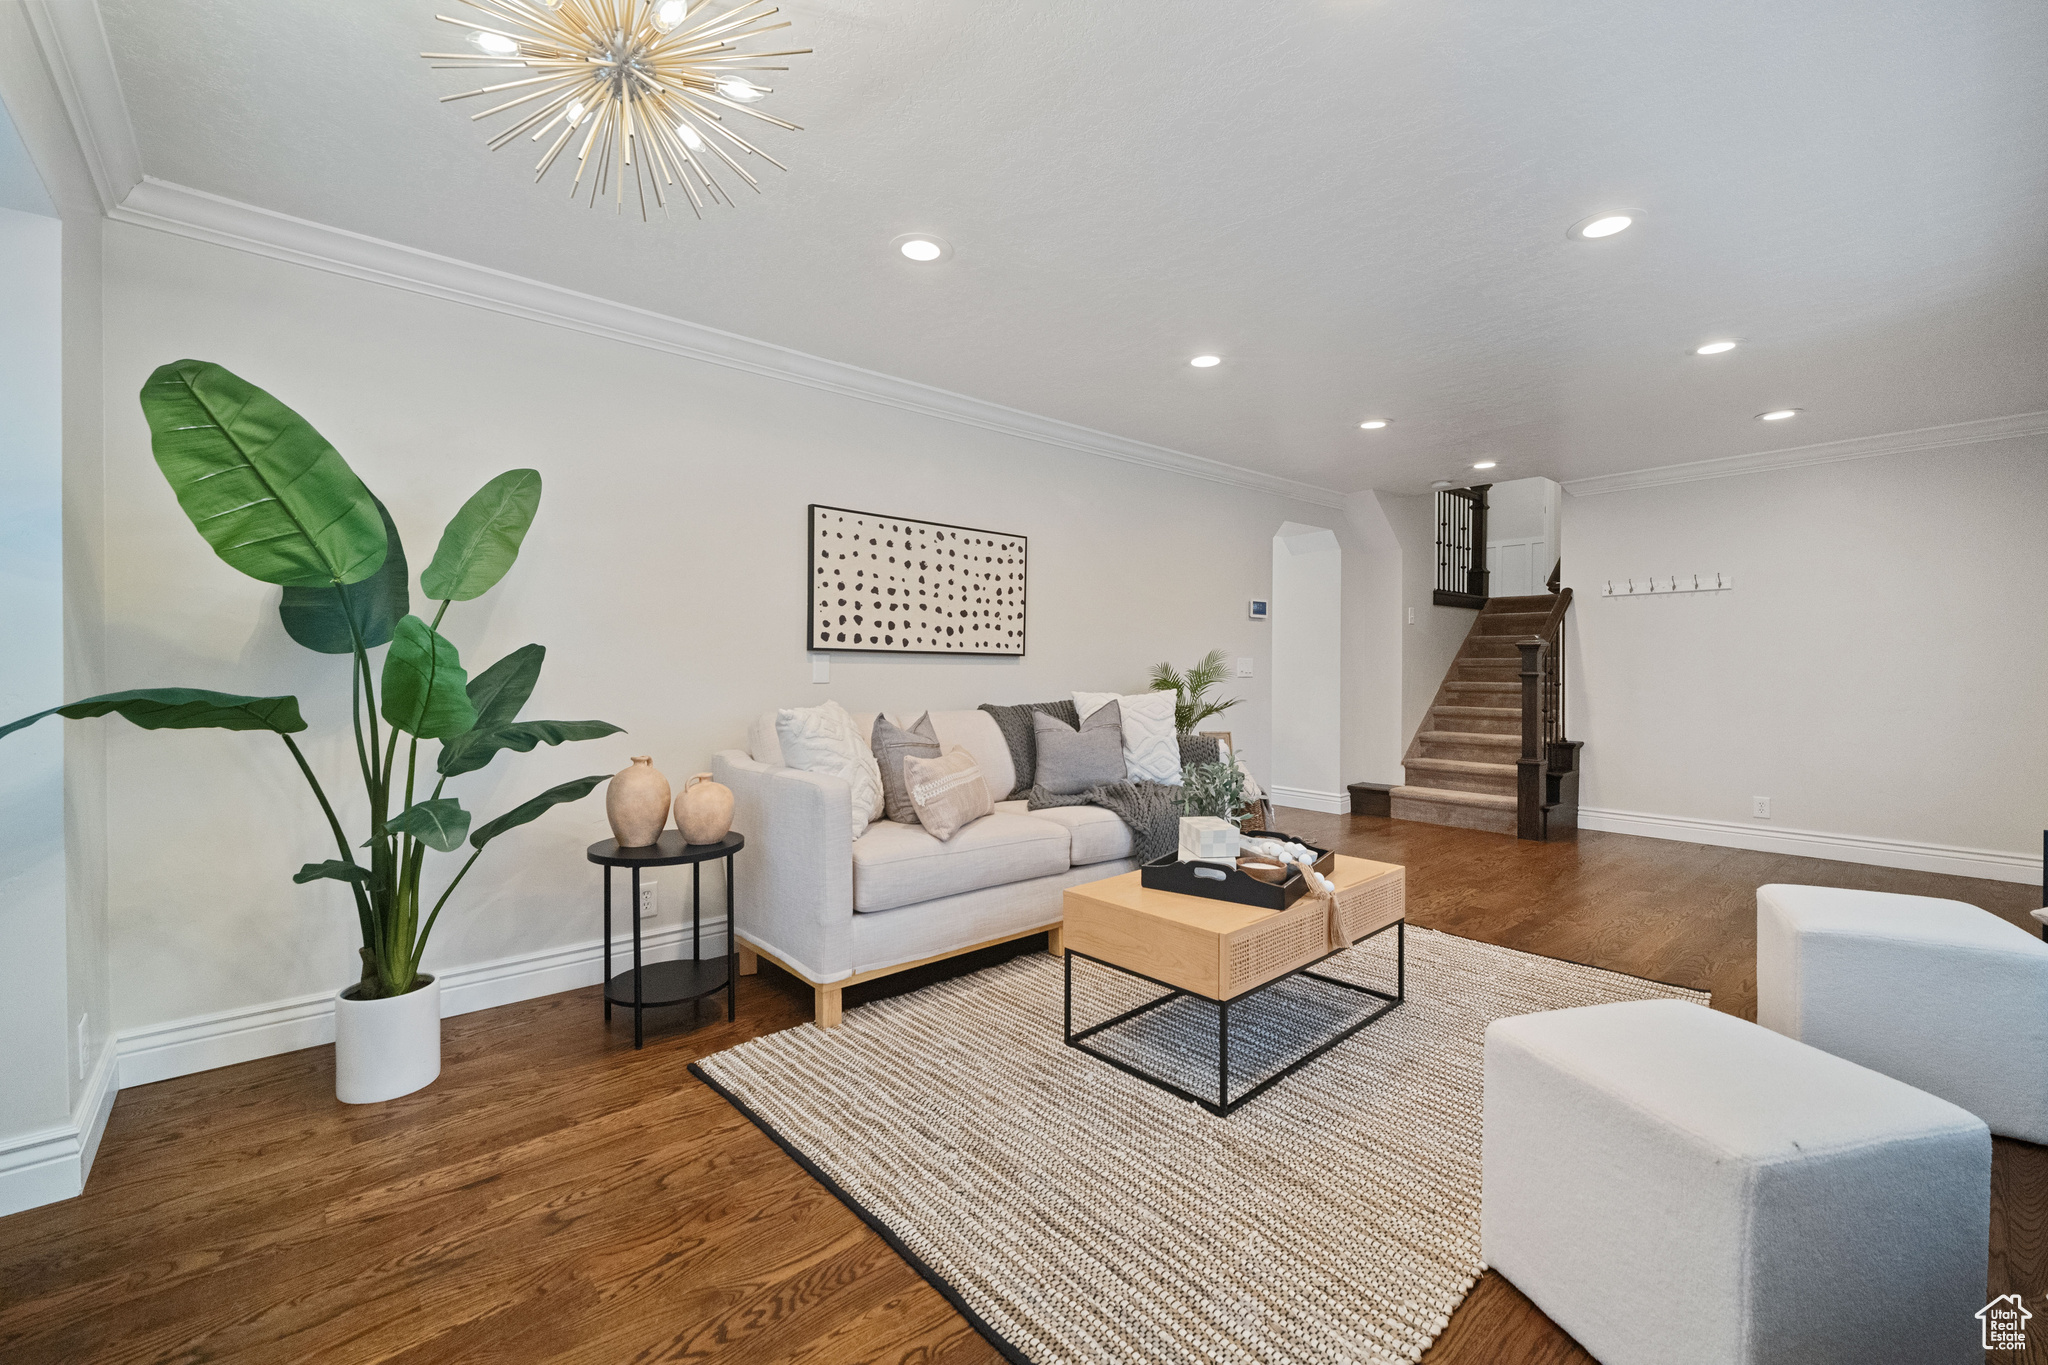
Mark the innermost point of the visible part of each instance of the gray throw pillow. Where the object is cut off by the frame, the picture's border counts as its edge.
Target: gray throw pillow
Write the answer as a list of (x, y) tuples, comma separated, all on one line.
[(1070, 760), (1015, 723), (892, 744)]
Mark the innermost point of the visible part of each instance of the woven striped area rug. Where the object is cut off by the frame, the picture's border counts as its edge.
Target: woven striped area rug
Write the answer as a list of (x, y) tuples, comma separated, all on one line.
[(1078, 1214)]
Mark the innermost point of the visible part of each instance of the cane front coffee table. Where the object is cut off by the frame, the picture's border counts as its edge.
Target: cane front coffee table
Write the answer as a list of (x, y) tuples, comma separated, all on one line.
[(1226, 953)]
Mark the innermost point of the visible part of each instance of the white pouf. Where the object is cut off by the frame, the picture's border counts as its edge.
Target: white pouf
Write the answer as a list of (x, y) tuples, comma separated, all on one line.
[(1673, 1184), (1938, 994)]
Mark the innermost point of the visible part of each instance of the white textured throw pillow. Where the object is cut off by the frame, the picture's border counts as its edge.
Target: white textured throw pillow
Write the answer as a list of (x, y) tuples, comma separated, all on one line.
[(1151, 748), (824, 739)]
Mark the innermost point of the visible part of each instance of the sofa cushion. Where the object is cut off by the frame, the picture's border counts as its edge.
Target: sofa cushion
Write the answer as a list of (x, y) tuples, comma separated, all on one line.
[(1098, 834), (1015, 724), (901, 864), (973, 731), (891, 744), (947, 793), (1072, 761), (822, 739)]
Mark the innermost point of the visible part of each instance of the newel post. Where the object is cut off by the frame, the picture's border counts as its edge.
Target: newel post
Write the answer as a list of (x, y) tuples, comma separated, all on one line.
[(1530, 771)]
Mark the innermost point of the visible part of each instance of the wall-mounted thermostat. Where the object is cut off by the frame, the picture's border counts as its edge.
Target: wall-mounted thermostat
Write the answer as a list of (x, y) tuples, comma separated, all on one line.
[(1257, 609)]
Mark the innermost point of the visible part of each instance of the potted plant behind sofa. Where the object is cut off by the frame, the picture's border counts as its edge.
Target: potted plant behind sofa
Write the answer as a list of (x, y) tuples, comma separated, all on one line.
[(1192, 705), (277, 502)]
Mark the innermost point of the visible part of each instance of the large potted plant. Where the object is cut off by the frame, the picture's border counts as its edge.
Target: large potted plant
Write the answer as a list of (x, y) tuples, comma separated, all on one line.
[(277, 502)]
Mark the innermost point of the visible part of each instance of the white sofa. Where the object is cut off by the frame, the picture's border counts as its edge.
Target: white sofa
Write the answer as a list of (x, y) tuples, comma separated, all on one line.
[(834, 910)]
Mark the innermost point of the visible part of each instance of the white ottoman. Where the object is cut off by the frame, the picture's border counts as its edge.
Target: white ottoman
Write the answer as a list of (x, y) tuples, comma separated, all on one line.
[(1672, 1184), (1936, 993)]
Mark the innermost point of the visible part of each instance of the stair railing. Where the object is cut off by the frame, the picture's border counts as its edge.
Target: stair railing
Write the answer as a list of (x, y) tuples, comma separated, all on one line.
[(1461, 575), (1543, 732)]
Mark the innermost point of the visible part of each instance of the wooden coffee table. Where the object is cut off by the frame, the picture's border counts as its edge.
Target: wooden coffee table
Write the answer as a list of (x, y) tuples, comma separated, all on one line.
[(1225, 953)]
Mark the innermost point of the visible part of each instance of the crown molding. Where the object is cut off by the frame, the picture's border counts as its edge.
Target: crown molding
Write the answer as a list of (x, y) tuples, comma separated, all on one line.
[(81, 64), (225, 222), (1831, 452)]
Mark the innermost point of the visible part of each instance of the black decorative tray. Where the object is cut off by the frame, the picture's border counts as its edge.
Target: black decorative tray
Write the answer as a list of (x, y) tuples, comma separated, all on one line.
[(1171, 874)]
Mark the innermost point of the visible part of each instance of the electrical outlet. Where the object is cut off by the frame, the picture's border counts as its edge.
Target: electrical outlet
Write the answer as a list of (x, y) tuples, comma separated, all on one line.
[(821, 668), (83, 1045), (649, 902), (1760, 807), (1244, 668)]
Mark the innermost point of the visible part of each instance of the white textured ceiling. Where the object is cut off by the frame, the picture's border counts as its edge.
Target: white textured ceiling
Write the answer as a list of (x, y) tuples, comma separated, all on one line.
[(1360, 204)]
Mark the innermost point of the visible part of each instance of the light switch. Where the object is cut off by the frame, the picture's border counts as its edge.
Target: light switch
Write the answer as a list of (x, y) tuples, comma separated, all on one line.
[(821, 668), (1244, 668), (1411, 616)]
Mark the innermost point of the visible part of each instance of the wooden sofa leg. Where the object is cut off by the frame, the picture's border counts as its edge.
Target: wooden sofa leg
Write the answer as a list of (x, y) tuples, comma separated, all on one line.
[(750, 961), (1053, 944), (828, 1006)]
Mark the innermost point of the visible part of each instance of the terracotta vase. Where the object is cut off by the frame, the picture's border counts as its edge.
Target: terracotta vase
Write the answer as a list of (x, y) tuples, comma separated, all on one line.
[(703, 810), (636, 803)]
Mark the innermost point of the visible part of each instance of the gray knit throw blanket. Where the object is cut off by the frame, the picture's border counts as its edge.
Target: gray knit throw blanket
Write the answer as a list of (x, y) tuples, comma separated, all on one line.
[(1151, 809)]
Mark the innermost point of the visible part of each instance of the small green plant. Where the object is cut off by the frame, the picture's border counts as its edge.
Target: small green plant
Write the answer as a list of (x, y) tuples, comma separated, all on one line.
[(1192, 689), (1212, 789), (277, 502)]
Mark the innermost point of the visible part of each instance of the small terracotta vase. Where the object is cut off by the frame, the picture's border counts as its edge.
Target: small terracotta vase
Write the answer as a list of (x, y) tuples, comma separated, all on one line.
[(637, 804), (703, 810)]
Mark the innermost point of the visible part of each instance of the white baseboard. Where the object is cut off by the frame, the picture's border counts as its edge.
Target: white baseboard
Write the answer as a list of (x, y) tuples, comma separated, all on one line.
[(183, 1046), (1991, 864), (1307, 798), (43, 1167)]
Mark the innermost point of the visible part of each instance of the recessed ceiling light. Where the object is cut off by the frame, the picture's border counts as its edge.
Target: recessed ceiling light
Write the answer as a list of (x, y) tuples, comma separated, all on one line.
[(1444, 483), (1715, 348), (1778, 414), (922, 247), (1372, 424), (1602, 224), (1485, 464), (1203, 362)]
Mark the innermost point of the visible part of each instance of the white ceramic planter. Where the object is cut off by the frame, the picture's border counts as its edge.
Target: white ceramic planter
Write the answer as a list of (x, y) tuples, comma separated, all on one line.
[(386, 1048)]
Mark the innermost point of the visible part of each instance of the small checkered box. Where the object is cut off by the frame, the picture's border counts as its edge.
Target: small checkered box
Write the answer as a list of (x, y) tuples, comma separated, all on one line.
[(1208, 838)]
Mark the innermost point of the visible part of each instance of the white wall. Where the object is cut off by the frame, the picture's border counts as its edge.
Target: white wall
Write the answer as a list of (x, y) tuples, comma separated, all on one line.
[(1431, 640), (1877, 671), (1373, 634), (1308, 663), (56, 1078), (665, 575), (34, 1093)]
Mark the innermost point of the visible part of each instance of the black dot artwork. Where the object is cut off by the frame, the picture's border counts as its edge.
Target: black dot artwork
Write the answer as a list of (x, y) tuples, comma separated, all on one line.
[(901, 554)]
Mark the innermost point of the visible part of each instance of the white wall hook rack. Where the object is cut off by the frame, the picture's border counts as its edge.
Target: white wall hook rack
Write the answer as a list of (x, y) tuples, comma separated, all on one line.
[(1663, 585)]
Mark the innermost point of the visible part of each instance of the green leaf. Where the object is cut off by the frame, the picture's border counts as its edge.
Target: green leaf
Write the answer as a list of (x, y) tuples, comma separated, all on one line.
[(467, 752), (265, 489), (318, 617), (423, 683), (483, 539), (537, 807), (182, 708), (334, 870), (439, 823), (499, 691)]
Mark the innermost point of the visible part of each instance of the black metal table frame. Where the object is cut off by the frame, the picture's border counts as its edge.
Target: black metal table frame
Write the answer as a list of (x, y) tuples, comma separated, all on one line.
[(1223, 1106), (639, 1002)]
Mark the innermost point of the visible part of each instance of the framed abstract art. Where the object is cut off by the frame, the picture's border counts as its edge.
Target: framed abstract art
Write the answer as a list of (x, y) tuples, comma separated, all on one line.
[(897, 585)]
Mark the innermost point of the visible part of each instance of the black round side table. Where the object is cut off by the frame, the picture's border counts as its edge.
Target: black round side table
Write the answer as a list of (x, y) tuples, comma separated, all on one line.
[(670, 983)]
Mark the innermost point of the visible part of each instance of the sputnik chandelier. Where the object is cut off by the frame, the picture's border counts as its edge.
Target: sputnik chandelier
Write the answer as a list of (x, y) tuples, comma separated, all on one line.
[(641, 88)]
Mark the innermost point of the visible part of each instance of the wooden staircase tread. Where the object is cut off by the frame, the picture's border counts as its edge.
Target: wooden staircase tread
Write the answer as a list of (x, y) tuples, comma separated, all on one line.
[(1450, 797), (1500, 711), (1471, 737), (1462, 765)]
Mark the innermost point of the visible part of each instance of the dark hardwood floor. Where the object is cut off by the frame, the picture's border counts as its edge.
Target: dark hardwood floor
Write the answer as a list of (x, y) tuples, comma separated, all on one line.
[(556, 1196)]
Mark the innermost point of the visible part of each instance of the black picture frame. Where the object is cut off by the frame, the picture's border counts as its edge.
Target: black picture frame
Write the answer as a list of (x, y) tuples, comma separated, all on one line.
[(989, 615)]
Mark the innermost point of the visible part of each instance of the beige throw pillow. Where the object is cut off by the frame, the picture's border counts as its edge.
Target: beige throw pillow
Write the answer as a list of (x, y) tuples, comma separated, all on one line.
[(948, 792)]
